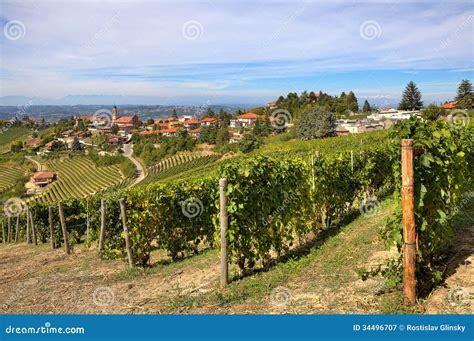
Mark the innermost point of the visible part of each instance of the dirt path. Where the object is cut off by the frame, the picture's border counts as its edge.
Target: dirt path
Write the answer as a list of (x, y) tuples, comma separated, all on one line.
[(40, 280), (141, 174)]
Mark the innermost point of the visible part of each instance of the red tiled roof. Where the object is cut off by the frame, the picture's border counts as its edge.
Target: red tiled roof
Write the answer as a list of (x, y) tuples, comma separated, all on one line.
[(249, 115), (43, 175), (191, 122), (171, 130), (197, 130), (124, 119), (209, 119), (449, 105)]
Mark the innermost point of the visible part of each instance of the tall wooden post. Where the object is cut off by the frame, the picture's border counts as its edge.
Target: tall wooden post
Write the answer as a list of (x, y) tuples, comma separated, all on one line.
[(125, 231), (409, 232), (17, 228), (224, 225), (33, 228), (4, 233), (9, 222), (102, 224), (28, 241), (64, 228), (87, 220), (352, 161), (51, 227)]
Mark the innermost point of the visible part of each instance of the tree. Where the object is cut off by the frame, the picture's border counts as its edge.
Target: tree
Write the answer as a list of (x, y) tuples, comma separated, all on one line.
[(249, 143), (411, 98), (115, 128), (465, 95), (174, 114), (222, 137), (316, 124), (76, 145), (432, 112), (352, 104), (366, 108)]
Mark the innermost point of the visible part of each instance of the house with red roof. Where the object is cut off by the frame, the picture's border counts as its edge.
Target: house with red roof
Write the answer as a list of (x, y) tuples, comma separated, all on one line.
[(246, 120), (209, 121), (449, 105), (43, 178), (127, 122)]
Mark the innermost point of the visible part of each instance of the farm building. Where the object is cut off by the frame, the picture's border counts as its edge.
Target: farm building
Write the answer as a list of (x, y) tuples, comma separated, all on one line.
[(43, 178)]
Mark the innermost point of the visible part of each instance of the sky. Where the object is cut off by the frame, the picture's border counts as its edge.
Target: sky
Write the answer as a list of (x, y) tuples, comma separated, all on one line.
[(223, 52)]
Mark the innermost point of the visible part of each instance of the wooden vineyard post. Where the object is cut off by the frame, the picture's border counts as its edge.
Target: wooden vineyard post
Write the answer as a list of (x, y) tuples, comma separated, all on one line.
[(224, 225), (33, 228), (64, 228), (87, 221), (4, 233), (125, 231), (352, 161), (9, 238), (102, 224), (28, 241), (409, 232), (17, 228), (51, 229)]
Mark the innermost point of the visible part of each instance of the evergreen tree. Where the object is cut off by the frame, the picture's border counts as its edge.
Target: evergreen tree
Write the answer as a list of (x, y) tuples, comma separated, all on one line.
[(366, 107), (465, 95), (174, 114), (316, 124), (352, 104), (411, 98)]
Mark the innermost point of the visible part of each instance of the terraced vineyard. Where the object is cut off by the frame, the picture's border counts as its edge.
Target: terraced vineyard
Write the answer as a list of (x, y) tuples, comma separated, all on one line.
[(78, 178), (178, 164), (9, 176)]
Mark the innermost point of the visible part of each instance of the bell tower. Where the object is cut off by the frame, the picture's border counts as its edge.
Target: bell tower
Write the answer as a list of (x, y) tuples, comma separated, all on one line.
[(114, 113)]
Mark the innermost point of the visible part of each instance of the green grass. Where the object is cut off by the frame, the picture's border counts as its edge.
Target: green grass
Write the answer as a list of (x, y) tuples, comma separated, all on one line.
[(12, 135)]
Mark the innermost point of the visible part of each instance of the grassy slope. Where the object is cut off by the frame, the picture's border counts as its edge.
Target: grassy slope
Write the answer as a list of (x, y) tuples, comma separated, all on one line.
[(12, 135)]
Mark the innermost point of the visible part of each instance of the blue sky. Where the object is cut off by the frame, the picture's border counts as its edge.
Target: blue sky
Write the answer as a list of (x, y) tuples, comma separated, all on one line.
[(217, 52)]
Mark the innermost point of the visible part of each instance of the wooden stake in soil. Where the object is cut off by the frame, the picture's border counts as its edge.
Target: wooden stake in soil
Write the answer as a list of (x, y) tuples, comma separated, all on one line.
[(17, 229), (9, 239), (409, 231), (33, 228), (4, 233), (28, 241), (51, 232), (224, 224), (64, 228), (102, 224), (125, 231)]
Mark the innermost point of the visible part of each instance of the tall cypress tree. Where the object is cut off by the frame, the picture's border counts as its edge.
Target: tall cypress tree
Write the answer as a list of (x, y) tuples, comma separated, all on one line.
[(366, 107), (465, 95), (411, 98)]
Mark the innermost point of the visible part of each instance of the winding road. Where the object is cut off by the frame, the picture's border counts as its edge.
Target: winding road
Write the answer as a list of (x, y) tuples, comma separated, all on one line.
[(128, 152)]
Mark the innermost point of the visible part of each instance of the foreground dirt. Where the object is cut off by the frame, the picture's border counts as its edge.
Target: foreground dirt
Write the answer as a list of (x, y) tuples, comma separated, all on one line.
[(40, 280)]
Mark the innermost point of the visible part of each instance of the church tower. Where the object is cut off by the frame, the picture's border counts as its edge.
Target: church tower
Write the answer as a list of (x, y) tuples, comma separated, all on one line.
[(114, 113)]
